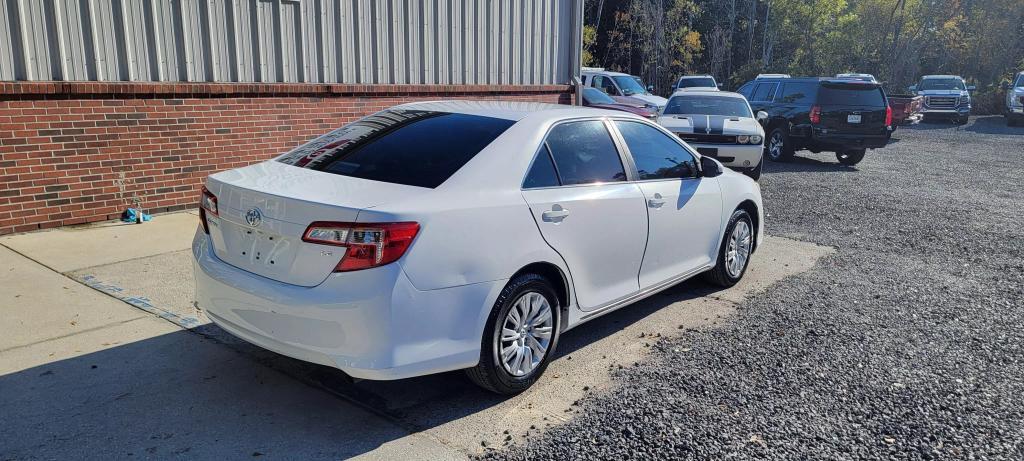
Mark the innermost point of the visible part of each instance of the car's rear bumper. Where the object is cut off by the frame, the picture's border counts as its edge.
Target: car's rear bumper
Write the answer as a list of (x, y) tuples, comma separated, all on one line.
[(371, 324), (732, 155)]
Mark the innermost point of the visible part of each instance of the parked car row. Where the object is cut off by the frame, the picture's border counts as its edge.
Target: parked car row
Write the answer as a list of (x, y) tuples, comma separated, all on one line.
[(1015, 101)]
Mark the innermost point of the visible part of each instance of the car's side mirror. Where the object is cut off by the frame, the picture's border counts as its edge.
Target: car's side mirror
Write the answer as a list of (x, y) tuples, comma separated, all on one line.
[(913, 88), (721, 85), (971, 88), (762, 115), (1006, 86), (710, 167), (650, 88)]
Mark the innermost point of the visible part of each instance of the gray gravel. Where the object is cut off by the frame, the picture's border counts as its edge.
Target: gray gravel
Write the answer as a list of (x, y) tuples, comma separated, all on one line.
[(906, 344)]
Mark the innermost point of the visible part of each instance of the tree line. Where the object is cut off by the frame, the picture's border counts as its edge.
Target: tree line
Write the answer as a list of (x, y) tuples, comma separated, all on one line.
[(734, 40)]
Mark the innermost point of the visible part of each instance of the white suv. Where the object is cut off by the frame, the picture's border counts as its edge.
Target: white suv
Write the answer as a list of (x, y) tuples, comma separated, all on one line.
[(1015, 101), (621, 86), (463, 235)]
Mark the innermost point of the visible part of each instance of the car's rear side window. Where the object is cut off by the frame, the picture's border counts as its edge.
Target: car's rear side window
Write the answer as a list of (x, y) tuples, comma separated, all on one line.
[(411, 147), (542, 172), (851, 95), (798, 93), (584, 153)]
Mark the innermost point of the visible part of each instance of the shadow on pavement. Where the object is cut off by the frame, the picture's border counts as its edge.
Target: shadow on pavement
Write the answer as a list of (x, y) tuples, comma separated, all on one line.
[(800, 163), (182, 394), (176, 394)]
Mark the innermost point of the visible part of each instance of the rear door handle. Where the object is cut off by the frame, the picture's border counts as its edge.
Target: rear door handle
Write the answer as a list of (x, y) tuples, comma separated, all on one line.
[(554, 215)]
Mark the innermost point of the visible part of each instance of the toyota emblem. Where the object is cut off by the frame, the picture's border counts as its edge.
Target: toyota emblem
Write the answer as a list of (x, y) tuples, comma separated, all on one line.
[(254, 217)]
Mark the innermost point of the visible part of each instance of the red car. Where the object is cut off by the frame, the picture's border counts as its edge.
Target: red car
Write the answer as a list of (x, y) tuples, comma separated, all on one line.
[(593, 97)]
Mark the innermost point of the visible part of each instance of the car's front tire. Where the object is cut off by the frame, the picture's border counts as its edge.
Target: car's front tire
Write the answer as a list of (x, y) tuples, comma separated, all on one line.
[(734, 253), (850, 157), (523, 325), (778, 147)]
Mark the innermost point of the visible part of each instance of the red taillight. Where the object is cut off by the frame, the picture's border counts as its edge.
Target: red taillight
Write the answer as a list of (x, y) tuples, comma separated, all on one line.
[(816, 114), (369, 244), (207, 204), (888, 115)]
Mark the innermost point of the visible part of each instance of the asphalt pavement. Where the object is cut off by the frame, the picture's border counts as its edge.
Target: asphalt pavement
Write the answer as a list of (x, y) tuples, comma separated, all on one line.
[(906, 343)]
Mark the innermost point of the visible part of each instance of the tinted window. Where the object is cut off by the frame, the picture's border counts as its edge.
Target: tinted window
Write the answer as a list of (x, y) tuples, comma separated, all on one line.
[(1020, 81), (708, 105), (412, 147), (542, 173), (584, 153), (702, 82), (596, 96), (764, 92), (656, 155), (745, 90), (798, 93), (851, 95)]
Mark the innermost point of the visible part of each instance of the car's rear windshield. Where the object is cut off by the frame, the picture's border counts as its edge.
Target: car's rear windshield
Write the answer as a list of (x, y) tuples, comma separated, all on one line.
[(857, 94), (412, 147), (708, 105), (701, 82)]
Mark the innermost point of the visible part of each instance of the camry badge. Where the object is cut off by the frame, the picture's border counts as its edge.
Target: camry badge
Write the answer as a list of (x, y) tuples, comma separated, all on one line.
[(254, 217)]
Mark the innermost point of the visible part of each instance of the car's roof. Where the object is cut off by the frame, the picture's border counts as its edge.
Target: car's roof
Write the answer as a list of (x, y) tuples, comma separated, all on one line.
[(606, 72), (854, 74), (508, 110), (705, 92), (942, 76), (696, 76)]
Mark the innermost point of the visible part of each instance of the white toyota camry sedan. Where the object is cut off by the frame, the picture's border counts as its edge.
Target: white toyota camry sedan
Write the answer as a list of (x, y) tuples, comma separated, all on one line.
[(463, 235)]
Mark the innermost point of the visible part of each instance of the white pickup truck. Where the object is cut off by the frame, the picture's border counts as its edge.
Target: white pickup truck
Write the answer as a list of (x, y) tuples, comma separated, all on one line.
[(1015, 101)]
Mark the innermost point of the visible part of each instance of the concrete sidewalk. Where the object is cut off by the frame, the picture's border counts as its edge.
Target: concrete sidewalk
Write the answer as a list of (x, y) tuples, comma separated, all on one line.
[(86, 376), (168, 351)]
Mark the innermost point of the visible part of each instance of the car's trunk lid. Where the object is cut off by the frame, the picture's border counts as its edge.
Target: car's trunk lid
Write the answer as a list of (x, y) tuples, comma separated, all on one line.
[(264, 209)]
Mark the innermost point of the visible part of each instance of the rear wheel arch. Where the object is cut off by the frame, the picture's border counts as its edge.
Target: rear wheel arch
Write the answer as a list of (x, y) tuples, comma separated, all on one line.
[(554, 275)]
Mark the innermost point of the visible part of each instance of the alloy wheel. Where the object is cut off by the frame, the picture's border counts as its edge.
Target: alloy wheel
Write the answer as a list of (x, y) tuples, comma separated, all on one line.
[(738, 251), (775, 145), (525, 334)]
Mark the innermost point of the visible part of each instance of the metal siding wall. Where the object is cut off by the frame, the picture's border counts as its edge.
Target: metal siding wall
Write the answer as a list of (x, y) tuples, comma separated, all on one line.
[(334, 41)]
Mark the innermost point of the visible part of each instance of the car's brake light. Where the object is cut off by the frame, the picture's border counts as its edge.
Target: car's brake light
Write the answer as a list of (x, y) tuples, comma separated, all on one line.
[(207, 204), (816, 114), (888, 115), (369, 244)]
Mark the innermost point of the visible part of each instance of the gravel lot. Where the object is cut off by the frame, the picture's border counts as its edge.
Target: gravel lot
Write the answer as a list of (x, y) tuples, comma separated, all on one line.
[(905, 344)]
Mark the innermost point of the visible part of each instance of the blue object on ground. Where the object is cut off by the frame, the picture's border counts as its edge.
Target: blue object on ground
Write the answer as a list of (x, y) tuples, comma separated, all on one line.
[(132, 215)]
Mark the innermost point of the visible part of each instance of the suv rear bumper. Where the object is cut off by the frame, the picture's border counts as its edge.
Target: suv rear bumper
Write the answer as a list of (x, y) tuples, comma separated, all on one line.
[(371, 324), (838, 141)]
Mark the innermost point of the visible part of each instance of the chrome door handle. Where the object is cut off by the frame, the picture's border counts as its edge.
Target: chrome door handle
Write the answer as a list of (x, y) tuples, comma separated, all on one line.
[(656, 202), (554, 216)]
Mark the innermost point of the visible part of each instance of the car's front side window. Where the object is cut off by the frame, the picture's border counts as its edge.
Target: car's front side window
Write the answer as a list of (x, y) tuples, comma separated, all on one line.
[(764, 92), (584, 153), (657, 156)]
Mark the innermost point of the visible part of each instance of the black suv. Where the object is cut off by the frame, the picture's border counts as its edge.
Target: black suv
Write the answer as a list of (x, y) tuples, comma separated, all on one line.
[(820, 114)]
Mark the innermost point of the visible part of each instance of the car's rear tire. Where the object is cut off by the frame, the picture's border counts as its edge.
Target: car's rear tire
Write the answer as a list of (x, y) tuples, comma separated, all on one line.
[(755, 172), (510, 373), (850, 157), (738, 242), (778, 147)]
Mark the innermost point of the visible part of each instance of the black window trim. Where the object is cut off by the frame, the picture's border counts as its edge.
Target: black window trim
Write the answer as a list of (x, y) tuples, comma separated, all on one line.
[(627, 165), (633, 173)]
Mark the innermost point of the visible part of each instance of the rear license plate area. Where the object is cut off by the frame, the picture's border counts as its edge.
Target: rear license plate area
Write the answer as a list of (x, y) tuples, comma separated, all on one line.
[(709, 151), (853, 118), (258, 247)]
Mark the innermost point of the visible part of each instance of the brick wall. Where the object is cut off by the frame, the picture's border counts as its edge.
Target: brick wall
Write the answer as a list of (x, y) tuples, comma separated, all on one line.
[(73, 153)]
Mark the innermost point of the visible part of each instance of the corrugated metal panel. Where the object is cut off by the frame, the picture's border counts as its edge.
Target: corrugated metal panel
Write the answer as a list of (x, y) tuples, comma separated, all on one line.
[(346, 41)]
